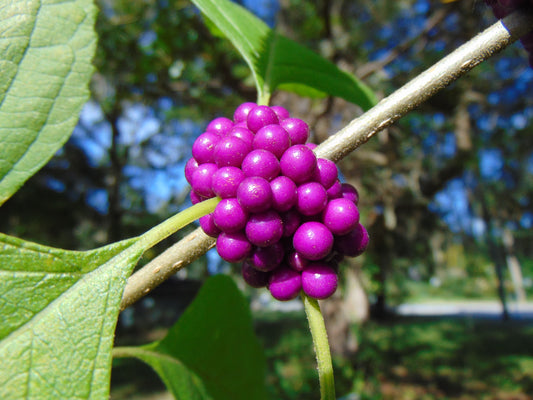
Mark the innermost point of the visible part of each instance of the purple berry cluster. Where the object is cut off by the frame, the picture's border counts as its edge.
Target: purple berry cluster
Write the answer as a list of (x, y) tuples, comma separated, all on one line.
[(502, 8), (283, 213)]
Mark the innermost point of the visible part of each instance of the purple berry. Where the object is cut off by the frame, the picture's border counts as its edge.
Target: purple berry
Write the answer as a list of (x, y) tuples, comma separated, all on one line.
[(229, 216), (291, 221), (312, 146), (196, 198), (298, 130), (312, 198), (190, 167), (233, 247), (226, 181), (285, 283), (261, 163), (230, 151), (242, 111), (202, 179), (255, 194), (298, 163), (272, 138), (340, 216), (297, 262), (260, 116), (203, 148), (319, 280), (335, 191), (326, 172), (284, 194), (254, 277), (208, 226), (354, 243), (267, 258), (264, 229), (221, 126), (313, 240), (242, 133), (281, 112), (349, 192)]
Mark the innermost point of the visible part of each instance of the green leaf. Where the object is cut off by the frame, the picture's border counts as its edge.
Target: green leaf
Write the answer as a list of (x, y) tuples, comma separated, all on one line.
[(46, 48), (212, 351), (59, 310), (275, 60)]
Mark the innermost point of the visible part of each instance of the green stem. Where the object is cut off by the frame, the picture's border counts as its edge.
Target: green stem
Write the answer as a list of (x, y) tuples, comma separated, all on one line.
[(176, 222), (321, 344)]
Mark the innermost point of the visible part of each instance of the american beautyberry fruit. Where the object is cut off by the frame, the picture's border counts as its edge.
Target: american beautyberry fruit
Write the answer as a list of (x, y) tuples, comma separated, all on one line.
[(260, 116), (298, 163), (203, 148), (326, 172), (220, 125), (354, 243), (226, 181), (230, 151), (313, 240), (319, 280), (297, 129), (241, 113), (254, 277), (208, 226), (242, 133), (312, 198), (233, 247), (284, 193), (349, 192), (340, 216), (296, 261), (267, 258), (202, 179), (261, 163), (272, 138), (264, 229), (281, 112), (285, 283), (229, 216), (255, 194)]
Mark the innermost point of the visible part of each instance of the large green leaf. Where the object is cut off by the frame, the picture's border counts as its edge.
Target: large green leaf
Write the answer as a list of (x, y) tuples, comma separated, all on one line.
[(59, 310), (46, 48), (212, 351), (277, 61)]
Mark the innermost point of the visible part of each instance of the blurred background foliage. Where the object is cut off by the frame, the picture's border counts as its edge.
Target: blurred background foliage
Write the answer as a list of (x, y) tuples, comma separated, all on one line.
[(446, 193)]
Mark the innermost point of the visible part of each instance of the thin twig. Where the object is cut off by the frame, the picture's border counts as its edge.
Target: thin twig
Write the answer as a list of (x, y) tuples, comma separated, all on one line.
[(357, 132)]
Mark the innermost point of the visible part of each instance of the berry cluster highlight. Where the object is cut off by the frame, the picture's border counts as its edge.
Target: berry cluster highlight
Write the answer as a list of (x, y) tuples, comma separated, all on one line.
[(283, 214)]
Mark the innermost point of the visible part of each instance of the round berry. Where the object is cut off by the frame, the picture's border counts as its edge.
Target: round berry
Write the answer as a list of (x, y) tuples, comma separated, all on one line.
[(298, 163), (254, 277), (196, 198), (312, 198), (298, 130), (261, 163), (272, 138), (230, 151), (264, 229), (354, 243), (349, 192), (296, 261), (229, 216), (255, 194), (340, 216), (226, 181), (284, 193), (313, 240), (190, 167), (260, 116), (319, 280), (281, 112), (335, 191), (221, 126), (203, 148), (291, 221), (242, 133), (208, 226), (233, 247), (285, 283), (326, 172), (267, 258), (202, 179), (242, 111), (312, 146)]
